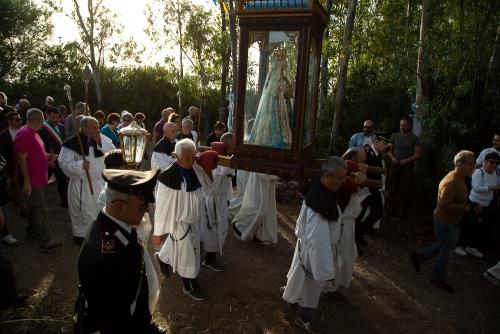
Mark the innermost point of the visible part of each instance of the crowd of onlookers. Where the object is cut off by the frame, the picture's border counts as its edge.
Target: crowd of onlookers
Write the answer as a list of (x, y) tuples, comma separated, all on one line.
[(34, 146), (467, 216)]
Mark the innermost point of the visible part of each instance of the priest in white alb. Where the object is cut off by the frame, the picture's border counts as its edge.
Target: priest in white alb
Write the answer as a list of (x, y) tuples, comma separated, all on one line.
[(313, 263), (179, 206), (82, 205), (162, 152)]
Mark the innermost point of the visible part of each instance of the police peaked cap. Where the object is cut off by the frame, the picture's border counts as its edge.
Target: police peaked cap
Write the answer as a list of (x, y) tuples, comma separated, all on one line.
[(382, 138), (140, 184)]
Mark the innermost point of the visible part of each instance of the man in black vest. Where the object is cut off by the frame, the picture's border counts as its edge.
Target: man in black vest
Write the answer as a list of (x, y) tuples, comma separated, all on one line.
[(111, 263), (374, 200), (52, 134)]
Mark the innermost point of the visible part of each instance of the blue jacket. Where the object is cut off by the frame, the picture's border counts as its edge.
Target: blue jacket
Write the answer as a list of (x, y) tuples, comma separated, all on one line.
[(357, 140), (111, 134)]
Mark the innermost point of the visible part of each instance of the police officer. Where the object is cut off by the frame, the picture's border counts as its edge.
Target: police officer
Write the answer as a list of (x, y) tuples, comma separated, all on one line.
[(374, 201), (111, 267)]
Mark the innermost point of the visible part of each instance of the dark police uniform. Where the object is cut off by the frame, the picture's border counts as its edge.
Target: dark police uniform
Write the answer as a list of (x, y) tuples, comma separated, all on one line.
[(112, 273), (372, 201)]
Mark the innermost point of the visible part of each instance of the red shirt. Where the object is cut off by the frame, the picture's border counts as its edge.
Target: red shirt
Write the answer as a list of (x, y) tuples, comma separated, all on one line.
[(29, 142), (158, 130)]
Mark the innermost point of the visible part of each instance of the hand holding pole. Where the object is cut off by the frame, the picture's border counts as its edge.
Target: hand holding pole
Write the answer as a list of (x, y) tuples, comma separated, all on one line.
[(67, 89)]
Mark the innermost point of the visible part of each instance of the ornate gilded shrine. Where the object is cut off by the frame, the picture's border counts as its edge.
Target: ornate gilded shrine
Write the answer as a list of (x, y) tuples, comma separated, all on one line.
[(276, 102)]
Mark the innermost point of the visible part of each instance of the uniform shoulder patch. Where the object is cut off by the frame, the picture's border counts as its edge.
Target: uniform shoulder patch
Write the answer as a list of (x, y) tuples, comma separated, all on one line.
[(107, 246)]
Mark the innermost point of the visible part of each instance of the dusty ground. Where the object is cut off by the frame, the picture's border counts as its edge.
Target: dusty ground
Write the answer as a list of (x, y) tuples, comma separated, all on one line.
[(386, 296)]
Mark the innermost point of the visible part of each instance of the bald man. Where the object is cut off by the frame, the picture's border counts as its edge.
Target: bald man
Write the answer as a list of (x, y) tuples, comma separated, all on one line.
[(162, 153), (158, 128), (365, 138)]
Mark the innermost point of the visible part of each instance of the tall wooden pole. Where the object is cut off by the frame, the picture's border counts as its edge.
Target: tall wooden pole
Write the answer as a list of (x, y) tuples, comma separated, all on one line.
[(67, 89)]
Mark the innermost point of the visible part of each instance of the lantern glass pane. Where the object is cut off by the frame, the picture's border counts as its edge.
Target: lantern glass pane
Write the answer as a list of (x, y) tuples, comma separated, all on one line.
[(270, 88), (141, 146), (128, 149), (310, 95)]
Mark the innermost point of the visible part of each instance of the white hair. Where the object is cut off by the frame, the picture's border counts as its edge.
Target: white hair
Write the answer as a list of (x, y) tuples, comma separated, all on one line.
[(184, 145), (187, 120), (86, 120), (49, 99), (462, 157), (332, 164)]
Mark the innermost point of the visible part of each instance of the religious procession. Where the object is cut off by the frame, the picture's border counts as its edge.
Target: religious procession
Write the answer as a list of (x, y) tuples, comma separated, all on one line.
[(267, 213)]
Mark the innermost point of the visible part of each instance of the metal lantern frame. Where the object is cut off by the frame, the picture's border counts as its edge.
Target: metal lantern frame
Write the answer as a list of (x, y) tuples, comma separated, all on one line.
[(309, 19), (134, 132)]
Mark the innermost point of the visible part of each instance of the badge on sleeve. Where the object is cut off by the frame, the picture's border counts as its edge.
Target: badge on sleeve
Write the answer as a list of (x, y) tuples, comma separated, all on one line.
[(107, 246)]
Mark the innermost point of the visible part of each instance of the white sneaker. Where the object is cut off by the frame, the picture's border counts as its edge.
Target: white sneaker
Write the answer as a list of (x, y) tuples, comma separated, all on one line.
[(460, 251), (473, 251), (9, 240)]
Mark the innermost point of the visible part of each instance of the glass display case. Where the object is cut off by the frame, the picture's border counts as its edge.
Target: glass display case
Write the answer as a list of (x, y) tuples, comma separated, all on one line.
[(276, 100)]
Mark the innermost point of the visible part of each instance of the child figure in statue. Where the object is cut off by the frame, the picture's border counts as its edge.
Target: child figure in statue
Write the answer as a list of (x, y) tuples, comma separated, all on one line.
[(272, 123)]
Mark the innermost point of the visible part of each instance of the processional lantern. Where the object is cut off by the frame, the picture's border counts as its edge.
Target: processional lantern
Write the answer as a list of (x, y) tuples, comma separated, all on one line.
[(276, 101), (133, 140)]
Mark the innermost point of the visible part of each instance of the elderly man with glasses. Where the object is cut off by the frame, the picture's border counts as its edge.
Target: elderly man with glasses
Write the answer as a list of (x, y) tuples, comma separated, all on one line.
[(115, 291)]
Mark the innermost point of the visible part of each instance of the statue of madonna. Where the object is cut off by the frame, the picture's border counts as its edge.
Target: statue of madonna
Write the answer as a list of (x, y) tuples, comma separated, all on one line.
[(272, 122)]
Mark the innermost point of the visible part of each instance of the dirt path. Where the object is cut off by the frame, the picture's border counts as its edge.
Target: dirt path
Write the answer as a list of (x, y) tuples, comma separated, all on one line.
[(386, 296)]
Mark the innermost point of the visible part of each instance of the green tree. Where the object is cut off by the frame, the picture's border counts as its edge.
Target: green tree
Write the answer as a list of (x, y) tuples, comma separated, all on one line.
[(24, 30)]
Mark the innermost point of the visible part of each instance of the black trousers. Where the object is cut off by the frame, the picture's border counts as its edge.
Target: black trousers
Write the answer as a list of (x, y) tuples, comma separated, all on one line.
[(374, 203), (62, 183)]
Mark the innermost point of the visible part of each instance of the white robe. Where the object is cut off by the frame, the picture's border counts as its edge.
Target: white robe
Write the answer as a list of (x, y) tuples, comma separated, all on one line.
[(314, 253), (241, 184), (257, 215), (214, 223), (160, 160), (178, 213), (82, 205), (346, 246)]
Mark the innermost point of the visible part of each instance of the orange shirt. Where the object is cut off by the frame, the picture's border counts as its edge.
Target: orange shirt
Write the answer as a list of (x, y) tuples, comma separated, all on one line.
[(452, 199)]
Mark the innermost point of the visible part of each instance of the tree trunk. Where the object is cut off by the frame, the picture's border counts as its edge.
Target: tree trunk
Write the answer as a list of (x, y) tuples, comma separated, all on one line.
[(225, 69), (96, 74), (491, 86), (181, 46), (234, 40), (422, 93), (343, 64), (324, 65)]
